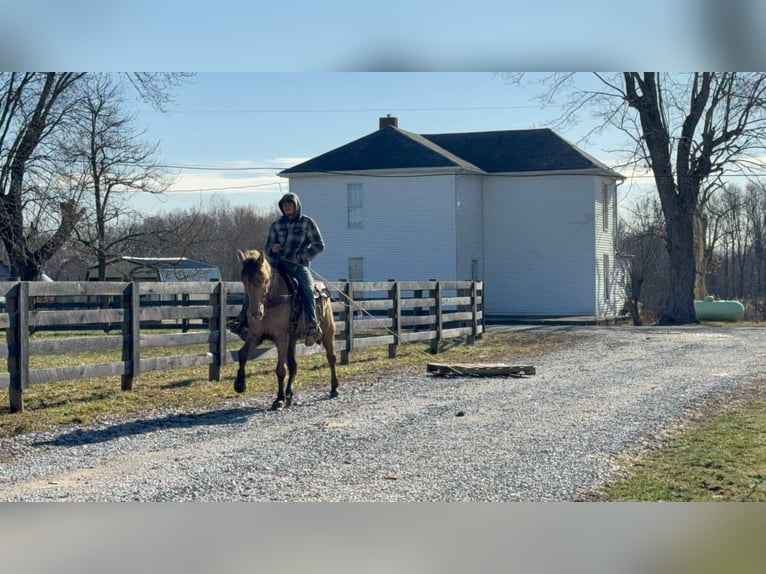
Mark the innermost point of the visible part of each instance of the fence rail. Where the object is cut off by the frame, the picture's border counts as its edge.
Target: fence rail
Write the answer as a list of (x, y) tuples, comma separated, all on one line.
[(135, 316)]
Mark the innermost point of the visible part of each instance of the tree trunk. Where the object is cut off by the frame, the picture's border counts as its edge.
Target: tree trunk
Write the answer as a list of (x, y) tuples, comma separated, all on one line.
[(701, 256), (680, 305)]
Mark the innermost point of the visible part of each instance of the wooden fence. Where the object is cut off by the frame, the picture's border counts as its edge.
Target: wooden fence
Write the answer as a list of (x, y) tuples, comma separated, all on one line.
[(131, 317)]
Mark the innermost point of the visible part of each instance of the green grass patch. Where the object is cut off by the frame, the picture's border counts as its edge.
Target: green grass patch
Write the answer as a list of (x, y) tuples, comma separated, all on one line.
[(721, 457)]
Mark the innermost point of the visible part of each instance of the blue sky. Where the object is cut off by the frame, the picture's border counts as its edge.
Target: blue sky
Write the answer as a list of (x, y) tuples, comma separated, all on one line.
[(338, 35), (284, 80), (234, 131), (349, 35)]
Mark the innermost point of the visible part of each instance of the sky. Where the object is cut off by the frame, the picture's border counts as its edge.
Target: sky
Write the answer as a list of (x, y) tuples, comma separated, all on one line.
[(285, 81), (349, 35), (227, 135)]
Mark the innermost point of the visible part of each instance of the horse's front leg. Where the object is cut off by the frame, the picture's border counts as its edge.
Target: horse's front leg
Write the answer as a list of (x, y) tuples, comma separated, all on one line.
[(251, 342), (240, 383)]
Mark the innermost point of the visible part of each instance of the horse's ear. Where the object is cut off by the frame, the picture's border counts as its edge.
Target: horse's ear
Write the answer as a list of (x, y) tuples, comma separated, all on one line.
[(241, 256)]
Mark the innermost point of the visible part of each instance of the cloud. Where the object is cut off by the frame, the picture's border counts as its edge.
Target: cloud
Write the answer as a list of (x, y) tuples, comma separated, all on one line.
[(214, 182)]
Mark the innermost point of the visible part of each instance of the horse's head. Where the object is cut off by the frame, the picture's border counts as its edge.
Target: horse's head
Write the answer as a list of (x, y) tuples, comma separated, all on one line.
[(256, 277)]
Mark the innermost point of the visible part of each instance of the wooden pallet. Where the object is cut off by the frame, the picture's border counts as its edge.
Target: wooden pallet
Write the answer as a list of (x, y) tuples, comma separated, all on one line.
[(479, 370)]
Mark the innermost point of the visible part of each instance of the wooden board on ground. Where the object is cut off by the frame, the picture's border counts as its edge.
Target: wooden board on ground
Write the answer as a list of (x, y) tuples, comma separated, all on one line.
[(480, 370)]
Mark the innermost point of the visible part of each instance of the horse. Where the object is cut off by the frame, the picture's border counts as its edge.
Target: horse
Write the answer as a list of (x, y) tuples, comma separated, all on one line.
[(270, 315)]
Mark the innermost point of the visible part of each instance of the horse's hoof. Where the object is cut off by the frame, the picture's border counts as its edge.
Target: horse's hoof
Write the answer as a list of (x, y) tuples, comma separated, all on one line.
[(334, 394), (289, 401), (240, 385), (278, 405)]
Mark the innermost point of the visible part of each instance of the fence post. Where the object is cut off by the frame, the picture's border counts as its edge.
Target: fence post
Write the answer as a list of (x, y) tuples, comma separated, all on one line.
[(348, 302), (437, 309), (480, 289), (474, 315), (17, 305), (131, 335), (396, 317), (185, 301), (217, 346)]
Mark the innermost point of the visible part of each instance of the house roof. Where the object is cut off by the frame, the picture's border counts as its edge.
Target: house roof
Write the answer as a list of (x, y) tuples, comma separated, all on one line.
[(510, 151)]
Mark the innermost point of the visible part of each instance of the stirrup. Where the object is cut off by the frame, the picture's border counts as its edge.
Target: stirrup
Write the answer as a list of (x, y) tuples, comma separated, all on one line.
[(239, 328), (313, 334)]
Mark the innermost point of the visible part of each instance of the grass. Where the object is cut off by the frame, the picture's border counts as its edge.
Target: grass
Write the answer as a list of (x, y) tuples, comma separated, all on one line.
[(66, 403), (717, 455)]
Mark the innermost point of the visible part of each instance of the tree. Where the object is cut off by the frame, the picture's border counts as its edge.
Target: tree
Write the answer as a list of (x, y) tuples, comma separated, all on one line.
[(755, 209), (109, 161), (211, 233), (35, 109), (641, 239), (691, 130), (33, 106)]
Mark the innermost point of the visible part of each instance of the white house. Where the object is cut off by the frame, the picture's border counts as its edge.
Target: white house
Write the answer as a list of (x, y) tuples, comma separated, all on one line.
[(525, 211)]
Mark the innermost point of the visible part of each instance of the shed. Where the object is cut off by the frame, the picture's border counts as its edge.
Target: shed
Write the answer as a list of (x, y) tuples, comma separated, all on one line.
[(165, 269)]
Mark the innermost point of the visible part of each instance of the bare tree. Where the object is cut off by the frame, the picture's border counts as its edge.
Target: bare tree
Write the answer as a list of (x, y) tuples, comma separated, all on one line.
[(690, 130), (109, 161), (755, 208), (35, 108), (641, 238), (732, 242), (710, 221), (32, 106), (211, 233)]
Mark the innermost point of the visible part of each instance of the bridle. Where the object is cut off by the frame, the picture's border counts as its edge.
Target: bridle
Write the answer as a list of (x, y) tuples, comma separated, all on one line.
[(259, 280)]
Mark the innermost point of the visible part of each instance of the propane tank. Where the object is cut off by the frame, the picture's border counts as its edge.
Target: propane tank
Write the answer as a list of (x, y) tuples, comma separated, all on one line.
[(712, 309)]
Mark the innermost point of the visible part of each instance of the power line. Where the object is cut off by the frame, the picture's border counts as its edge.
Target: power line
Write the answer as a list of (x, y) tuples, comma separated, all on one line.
[(387, 109), (207, 189), (218, 168)]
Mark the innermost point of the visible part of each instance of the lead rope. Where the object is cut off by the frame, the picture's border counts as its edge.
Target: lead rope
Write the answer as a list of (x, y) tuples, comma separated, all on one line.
[(361, 309)]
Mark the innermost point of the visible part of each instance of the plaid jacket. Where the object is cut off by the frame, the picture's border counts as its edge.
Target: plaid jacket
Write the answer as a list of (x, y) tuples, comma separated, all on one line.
[(299, 237)]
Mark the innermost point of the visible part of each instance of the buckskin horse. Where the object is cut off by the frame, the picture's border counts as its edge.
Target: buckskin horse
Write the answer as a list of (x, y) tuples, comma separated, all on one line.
[(270, 315)]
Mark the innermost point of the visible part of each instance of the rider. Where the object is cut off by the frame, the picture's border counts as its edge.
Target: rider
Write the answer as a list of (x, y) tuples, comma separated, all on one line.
[(294, 240)]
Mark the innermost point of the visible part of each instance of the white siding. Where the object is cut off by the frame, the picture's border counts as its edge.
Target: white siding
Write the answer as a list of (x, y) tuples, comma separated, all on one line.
[(605, 242), (538, 241), (538, 245), (409, 226), (469, 226)]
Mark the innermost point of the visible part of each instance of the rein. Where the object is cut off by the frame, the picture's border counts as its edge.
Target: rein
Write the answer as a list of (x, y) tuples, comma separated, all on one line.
[(276, 301), (270, 300)]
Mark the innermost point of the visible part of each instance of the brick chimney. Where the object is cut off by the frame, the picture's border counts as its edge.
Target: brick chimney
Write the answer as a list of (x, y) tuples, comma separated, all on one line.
[(388, 121)]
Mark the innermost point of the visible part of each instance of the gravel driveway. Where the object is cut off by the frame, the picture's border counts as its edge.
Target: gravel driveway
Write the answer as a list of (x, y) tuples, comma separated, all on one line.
[(548, 437)]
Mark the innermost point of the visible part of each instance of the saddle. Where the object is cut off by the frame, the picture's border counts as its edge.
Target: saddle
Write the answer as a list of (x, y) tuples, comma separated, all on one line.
[(296, 303), (296, 299)]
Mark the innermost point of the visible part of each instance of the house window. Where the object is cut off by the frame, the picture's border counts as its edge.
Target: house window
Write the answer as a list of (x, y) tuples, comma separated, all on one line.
[(605, 205), (356, 268), (607, 273), (355, 201)]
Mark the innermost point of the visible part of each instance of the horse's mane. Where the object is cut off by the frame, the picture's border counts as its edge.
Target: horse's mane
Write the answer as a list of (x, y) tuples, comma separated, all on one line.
[(254, 262)]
